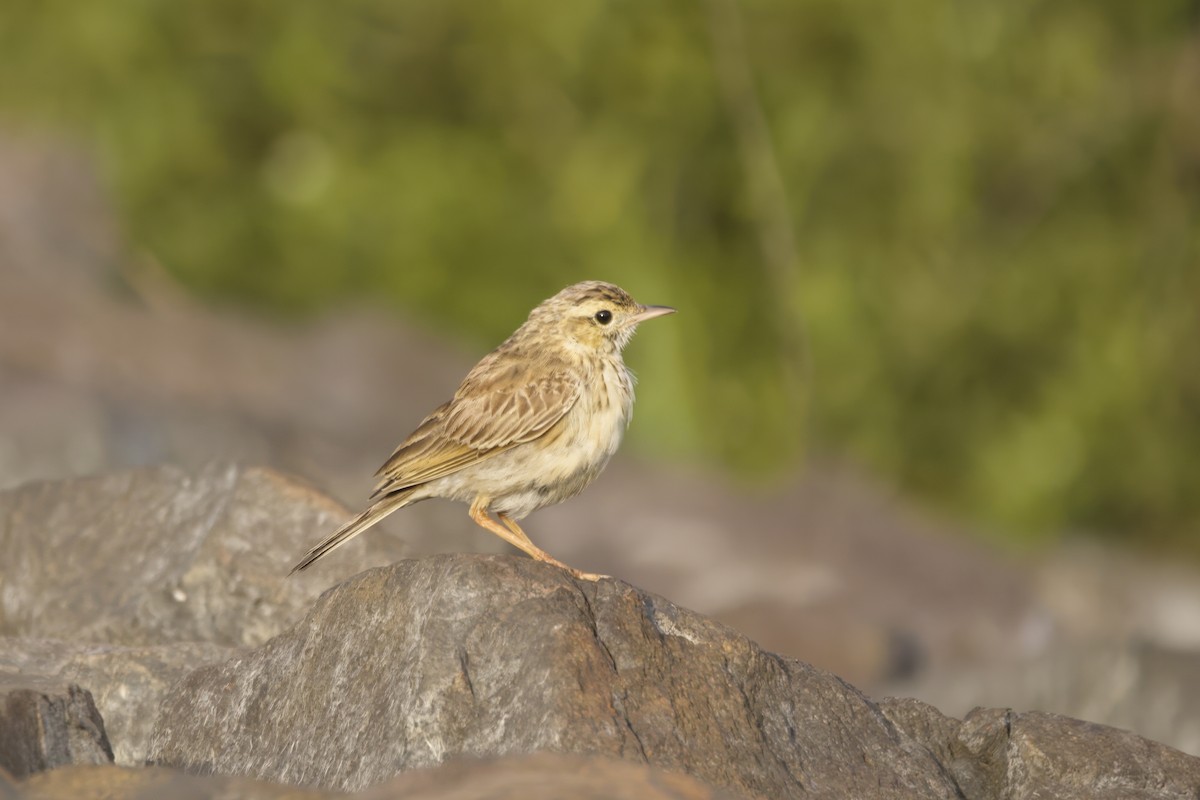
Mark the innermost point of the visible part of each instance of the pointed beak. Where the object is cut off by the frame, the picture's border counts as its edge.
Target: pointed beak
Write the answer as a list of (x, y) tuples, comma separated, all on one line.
[(650, 312)]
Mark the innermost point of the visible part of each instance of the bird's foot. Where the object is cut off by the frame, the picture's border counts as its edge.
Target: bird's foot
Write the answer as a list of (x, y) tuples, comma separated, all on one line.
[(584, 576), (587, 576)]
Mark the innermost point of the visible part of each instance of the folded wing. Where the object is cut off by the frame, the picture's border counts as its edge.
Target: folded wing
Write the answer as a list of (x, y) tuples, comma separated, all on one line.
[(486, 417)]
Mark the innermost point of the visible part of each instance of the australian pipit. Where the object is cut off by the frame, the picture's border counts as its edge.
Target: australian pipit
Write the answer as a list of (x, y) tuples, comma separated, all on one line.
[(531, 425)]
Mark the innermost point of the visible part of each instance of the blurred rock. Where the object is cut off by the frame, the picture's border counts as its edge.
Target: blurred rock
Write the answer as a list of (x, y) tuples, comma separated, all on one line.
[(1152, 690), (45, 724), (544, 776), (1046, 755), (124, 783), (1118, 645), (56, 220), (1034, 755), (1103, 594), (126, 683), (410, 665), (999, 753), (8, 786), (166, 555)]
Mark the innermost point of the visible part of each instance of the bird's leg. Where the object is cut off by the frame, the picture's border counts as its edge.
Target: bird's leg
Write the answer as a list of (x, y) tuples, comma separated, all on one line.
[(512, 533), (539, 553), (512, 525)]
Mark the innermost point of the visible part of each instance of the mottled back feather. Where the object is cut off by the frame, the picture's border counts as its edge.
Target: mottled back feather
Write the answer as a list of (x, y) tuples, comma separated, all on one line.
[(492, 411)]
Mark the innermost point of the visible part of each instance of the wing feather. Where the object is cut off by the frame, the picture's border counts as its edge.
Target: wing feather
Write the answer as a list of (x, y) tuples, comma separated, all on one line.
[(485, 417)]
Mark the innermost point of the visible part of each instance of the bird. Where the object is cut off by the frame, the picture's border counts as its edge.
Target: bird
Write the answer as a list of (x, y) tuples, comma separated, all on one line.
[(532, 424)]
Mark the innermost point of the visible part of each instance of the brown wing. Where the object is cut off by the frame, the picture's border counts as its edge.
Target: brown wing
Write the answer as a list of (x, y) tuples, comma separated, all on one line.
[(485, 417)]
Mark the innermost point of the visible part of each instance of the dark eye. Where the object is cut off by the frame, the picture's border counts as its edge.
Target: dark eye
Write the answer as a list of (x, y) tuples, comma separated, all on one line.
[(604, 316)]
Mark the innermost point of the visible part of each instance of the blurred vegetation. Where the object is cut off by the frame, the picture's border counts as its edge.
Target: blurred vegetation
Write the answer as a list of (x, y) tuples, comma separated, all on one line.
[(957, 242)]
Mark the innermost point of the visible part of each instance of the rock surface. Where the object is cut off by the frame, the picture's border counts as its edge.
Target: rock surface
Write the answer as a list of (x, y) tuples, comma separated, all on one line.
[(161, 555), (410, 665), (45, 725)]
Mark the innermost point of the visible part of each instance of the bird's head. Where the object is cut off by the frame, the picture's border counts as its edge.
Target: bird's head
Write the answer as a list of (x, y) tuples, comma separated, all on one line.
[(596, 315)]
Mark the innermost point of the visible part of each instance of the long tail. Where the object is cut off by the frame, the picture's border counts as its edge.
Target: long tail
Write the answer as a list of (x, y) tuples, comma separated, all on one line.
[(354, 527)]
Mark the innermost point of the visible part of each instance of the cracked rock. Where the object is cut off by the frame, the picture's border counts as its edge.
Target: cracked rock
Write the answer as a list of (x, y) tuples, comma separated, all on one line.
[(424, 661)]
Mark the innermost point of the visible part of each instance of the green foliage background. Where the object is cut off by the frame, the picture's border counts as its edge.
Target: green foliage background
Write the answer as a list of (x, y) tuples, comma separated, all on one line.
[(994, 293)]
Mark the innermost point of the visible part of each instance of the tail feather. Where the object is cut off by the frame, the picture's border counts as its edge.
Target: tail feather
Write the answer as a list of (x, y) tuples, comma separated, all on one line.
[(354, 527)]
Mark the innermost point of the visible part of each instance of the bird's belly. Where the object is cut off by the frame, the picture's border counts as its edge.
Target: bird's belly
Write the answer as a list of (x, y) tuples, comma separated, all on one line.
[(562, 468), (562, 462)]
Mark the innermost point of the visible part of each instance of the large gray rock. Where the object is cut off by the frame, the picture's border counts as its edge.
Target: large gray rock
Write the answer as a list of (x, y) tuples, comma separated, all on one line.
[(426, 661), (44, 724), (126, 683), (410, 665), (162, 555)]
